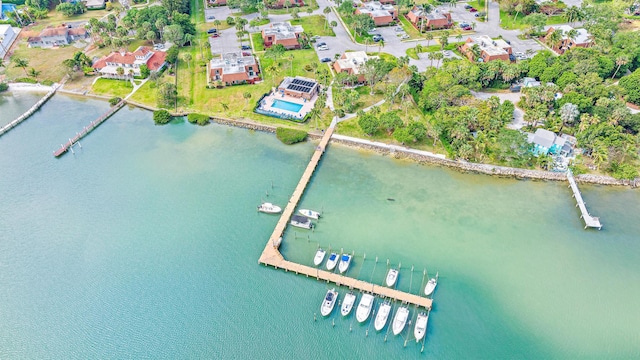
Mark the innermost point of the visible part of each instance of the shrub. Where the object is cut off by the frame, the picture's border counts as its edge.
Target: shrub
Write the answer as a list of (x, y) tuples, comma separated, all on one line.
[(26, 80), (199, 119), (161, 117), (47, 83), (114, 101), (3, 87), (290, 136)]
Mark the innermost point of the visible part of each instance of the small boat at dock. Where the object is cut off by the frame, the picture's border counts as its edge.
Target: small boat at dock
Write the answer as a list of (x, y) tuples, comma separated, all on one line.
[(392, 276), (431, 285), (269, 208), (400, 320), (347, 304), (382, 316), (301, 222), (421, 326), (315, 215), (317, 260), (329, 302), (332, 262), (344, 263), (364, 308)]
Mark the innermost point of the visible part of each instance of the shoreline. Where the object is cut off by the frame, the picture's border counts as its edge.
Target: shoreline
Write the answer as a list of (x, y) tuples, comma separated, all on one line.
[(24, 87), (419, 156)]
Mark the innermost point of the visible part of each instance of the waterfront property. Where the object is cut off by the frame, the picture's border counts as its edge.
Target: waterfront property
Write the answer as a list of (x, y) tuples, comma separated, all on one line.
[(8, 35), (547, 142), (234, 68), (423, 20), (94, 4), (57, 36), (279, 4), (293, 99), (130, 62), (282, 33), (483, 48), (382, 14), (351, 63), (570, 38)]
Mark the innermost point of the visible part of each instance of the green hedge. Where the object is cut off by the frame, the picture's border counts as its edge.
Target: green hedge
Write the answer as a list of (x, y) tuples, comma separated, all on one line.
[(161, 117), (290, 136), (199, 119), (3, 87)]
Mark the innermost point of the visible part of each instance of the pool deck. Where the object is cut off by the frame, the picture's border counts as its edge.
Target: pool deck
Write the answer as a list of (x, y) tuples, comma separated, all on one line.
[(267, 105)]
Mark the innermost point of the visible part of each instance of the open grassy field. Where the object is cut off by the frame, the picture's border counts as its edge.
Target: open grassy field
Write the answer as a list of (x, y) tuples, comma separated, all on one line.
[(313, 4), (56, 18), (258, 43), (508, 22), (112, 87), (314, 25), (48, 61), (409, 28)]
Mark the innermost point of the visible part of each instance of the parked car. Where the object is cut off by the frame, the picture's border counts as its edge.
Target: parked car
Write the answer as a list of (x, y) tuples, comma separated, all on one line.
[(321, 44), (511, 57), (467, 28), (477, 15), (373, 32), (323, 48), (473, 10), (515, 87), (404, 37), (377, 38), (462, 25), (211, 17), (398, 28), (315, 37), (467, 6), (212, 31), (215, 35), (246, 47), (325, 60)]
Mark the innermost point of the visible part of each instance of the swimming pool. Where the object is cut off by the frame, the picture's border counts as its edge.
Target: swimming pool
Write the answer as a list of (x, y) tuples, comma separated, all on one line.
[(285, 105), (6, 9)]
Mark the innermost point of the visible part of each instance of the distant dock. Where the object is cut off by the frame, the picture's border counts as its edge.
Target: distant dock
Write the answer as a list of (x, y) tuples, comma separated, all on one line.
[(589, 221), (87, 129), (29, 112), (272, 256)]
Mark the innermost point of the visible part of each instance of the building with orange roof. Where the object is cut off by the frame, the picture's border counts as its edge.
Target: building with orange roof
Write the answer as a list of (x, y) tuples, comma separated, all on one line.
[(282, 33), (234, 68), (130, 62)]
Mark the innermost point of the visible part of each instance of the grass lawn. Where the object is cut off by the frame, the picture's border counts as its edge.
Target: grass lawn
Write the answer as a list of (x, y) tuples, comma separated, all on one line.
[(49, 61), (308, 3), (55, 18), (146, 94), (411, 52), (409, 29), (507, 21), (111, 87), (314, 25), (258, 43), (366, 99)]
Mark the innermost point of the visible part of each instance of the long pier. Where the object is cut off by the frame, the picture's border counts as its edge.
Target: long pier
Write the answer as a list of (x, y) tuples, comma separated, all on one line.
[(272, 256), (87, 129), (589, 221), (29, 112)]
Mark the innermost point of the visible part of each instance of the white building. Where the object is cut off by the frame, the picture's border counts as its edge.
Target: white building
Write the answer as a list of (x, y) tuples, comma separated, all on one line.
[(7, 36)]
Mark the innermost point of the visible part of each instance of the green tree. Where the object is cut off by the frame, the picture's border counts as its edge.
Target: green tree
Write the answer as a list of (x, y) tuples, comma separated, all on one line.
[(21, 63), (368, 123), (631, 85), (167, 94), (374, 70), (246, 95), (536, 22), (172, 55), (275, 52), (174, 34), (390, 121), (161, 117), (34, 73)]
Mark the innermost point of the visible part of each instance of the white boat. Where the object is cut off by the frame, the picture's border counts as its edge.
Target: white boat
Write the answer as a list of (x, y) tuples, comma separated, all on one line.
[(301, 222), (421, 326), (400, 320), (332, 262), (269, 208), (382, 316), (310, 213), (347, 304), (317, 260), (344, 263), (328, 302), (364, 308), (431, 285), (392, 276)]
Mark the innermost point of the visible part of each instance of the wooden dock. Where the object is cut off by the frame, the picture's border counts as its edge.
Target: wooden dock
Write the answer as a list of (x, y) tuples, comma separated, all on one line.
[(272, 256), (87, 129), (29, 112), (589, 221)]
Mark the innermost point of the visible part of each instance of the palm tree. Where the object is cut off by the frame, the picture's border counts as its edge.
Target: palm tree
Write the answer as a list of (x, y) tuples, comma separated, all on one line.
[(120, 71), (620, 60), (431, 57), (380, 46), (600, 153), (291, 63), (429, 37), (315, 114), (419, 48), (21, 63), (438, 56), (444, 39), (326, 12), (246, 95), (187, 58), (555, 39), (216, 23), (225, 106), (309, 10), (34, 73)]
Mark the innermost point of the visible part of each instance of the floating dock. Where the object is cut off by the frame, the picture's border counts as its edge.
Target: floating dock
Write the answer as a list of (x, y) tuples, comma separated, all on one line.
[(589, 221), (272, 256), (87, 129), (29, 112)]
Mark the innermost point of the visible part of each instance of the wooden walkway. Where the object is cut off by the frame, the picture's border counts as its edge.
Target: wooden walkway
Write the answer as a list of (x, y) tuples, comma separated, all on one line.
[(29, 112), (272, 256), (87, 129), (589, 221)]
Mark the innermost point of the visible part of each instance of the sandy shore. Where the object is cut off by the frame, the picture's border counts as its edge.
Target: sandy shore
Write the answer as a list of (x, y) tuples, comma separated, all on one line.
[(29, 87)]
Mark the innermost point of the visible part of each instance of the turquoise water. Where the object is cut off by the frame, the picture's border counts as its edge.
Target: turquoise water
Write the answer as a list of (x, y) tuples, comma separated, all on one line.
[(144, 244), (286, 105), (14, 104)]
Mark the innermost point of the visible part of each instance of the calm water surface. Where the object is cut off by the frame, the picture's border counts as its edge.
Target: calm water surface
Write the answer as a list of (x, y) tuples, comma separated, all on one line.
[(144, 244), (13, 104)]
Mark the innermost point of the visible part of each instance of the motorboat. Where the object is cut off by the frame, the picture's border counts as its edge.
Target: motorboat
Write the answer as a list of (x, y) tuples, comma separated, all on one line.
[(400, 320), (364, 308), (315, 215), (301, 222), (431, 285), (382, 316), (392, 277), (345, 260), (332, 262), (347, 304), (329, 302), (269, 208), (421, 326), (317, 260)]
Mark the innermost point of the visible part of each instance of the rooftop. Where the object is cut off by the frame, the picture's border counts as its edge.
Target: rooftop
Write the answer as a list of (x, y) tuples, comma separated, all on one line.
[(488, 45), (233, 63), (354, 60), (581, 38), (299, 84), (283, 30)]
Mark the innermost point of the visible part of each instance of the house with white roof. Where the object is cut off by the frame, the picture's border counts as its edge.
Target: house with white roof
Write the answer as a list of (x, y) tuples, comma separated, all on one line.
[(8, 35), (352, 62), (570, 38), (489, 49)]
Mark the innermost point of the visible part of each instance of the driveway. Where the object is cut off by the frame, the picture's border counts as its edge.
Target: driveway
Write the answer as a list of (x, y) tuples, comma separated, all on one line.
[(227, 42), (217, 13), (518, 115)]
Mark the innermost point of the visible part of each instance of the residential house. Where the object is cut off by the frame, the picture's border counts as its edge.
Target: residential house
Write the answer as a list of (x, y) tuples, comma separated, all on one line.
[(279, 4), (433, 20), (282, 33), (299, 87), (351, 63), (530, 82), (546, 142), (94, 4), (581, 38), (8, 35), (58, 36), (217, 2), (488, 49), (234, 68), (130, 62), (381, 14)]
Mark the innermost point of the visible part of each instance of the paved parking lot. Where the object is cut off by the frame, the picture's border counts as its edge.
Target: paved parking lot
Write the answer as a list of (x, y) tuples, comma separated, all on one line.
[(217, 13)]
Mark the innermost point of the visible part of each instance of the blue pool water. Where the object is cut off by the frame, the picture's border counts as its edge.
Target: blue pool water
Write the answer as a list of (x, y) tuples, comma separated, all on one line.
[(285, 105), (6, 8)]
